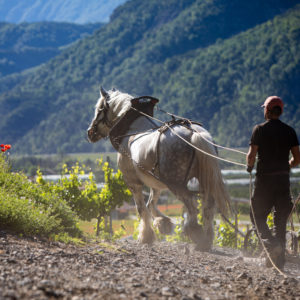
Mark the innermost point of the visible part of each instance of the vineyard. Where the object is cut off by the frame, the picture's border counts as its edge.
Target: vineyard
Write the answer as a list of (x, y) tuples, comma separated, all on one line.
[(64, 234), (74, 207), (70, 226)]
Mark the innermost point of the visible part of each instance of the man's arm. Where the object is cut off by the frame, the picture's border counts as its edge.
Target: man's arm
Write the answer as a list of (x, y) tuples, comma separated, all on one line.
[(251, 156), (295, 160)]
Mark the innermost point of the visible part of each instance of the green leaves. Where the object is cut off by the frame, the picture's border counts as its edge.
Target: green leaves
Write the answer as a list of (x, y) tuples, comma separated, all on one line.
[(226, 235), (51, 208), (32, 208), (189, 53), (115, 192), (27, 45)]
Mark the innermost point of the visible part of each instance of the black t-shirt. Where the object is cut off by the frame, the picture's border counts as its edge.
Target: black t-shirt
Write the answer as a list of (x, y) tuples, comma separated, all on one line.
[(274, 140)]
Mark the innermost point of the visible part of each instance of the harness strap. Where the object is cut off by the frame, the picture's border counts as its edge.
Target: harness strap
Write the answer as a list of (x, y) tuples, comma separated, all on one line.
[(156, 164), (190, 165)]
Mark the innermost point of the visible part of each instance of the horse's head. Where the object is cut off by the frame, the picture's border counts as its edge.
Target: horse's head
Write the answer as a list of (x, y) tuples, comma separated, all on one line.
[(111, 106)]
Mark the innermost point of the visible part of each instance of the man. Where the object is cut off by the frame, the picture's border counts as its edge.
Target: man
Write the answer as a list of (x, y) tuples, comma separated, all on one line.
[(273, 141)]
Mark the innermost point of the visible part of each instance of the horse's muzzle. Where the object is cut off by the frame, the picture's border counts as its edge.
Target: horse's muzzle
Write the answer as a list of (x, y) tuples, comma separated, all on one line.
[(91, 134), (94, 135)]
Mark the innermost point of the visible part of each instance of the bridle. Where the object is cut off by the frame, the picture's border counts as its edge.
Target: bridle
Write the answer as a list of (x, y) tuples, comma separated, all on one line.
[(108, 123), (103, 119)]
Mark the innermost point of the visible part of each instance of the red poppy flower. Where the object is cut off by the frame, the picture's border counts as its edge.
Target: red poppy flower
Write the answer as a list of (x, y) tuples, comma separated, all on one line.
[(2, 145), (3, 150), (7, 147)]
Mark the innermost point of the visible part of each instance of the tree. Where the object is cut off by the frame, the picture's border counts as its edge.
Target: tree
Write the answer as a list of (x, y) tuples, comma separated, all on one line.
[(112, 195), (84, 197)]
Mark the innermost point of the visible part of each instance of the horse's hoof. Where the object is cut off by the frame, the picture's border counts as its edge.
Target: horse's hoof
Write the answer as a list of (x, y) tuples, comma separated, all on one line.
[(205, 244), (146, 240), (147, 237), (195, 232), (203, 247), (164, 225)]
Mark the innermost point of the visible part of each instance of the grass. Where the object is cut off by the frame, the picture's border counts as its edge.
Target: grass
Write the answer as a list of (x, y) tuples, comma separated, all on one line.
[(171, 210), (80, 157), (128, 224), (89, 227)]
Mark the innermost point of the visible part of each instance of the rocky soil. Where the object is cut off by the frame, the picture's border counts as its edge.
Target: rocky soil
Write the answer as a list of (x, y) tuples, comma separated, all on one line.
[(35, 269)]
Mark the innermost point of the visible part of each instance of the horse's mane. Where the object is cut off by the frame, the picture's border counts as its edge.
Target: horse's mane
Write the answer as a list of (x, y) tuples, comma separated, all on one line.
[(118, 101)]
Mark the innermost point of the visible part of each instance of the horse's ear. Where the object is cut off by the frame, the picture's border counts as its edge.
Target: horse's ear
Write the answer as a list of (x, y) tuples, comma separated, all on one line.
[(103, 92)]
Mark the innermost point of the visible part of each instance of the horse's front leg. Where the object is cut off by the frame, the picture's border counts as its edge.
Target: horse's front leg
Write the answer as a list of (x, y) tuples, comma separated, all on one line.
[(161, 221), (146, 233)]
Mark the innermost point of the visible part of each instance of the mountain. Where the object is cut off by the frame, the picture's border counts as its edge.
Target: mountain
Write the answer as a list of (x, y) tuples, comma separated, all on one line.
[(27, 45), (214, 61), (74, 11)]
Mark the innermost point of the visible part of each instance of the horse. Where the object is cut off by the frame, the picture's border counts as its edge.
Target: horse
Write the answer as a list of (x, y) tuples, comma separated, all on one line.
[(162, 158)]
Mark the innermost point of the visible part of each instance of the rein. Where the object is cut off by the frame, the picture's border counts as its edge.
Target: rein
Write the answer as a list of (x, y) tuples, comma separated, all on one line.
[(116, 140), (216, 145), (250, 188), (204, 152)]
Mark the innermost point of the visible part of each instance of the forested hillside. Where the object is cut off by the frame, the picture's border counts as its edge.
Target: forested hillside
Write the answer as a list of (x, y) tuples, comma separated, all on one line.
[(76, 11), (211, 60), (28, 45)]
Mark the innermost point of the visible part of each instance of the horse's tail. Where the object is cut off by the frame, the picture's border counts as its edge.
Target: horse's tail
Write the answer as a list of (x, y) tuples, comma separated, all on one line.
[(209, 174)]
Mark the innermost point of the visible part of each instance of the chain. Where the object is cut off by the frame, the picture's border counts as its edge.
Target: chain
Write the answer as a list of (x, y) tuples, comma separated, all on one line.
[(209, 154), (290, 219), (123, 151), (210, 142), (294, 209)]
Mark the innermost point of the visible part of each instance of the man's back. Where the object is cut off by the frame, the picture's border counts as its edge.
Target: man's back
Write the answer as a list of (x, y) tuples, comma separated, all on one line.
[(274, 140)]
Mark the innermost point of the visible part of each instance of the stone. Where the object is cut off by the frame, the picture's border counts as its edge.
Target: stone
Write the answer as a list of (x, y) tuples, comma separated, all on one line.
[(166, 291)]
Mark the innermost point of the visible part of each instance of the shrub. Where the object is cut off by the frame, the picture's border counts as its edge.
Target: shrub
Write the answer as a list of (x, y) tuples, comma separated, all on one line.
[(22, 215), (226, 236), (178, 235), (30, 208)]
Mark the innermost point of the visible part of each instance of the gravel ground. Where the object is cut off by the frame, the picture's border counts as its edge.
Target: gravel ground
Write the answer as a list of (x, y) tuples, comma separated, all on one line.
[(35, 269)]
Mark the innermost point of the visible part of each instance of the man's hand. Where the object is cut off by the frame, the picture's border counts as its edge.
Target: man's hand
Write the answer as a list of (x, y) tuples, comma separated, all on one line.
[(249, 168), (251, 156), (294, 162)]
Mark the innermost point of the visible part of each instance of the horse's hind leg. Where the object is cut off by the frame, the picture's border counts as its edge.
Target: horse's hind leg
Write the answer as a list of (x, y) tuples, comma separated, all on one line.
[(208, 210), (146, 233), (191, 227), (161, 221)]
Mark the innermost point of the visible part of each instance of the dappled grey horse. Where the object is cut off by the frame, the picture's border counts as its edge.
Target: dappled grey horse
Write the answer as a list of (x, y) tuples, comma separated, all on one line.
[(155, 156)]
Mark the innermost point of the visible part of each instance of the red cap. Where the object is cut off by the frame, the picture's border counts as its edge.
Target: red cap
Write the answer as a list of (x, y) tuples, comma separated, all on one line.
[(273, 101)]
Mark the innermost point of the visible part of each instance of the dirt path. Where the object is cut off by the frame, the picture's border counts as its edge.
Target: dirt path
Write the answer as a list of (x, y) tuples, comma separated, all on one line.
[(32, 269)]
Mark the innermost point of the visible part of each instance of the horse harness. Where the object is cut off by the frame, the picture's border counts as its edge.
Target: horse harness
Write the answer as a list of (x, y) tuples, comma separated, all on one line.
[(144, 105)]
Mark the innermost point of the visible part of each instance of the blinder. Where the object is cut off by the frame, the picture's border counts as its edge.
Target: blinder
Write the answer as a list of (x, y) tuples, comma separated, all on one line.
[(104, 119), (144, 104), (99, 119)]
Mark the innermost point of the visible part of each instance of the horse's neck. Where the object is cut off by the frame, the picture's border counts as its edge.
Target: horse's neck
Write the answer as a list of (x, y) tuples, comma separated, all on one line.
[(142, 124)]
